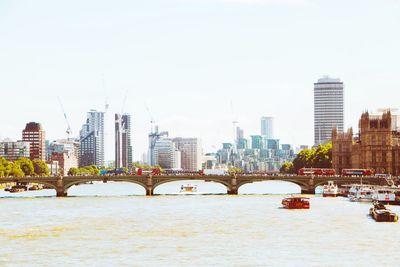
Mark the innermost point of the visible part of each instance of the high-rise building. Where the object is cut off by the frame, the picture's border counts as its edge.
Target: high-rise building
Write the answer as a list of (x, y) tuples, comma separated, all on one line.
[(191, 153), (267, 127), (11, 150), (328, 108), (256, 142), (123, 146), (166, 154), (153, 137), (92, 140), (35, 135)]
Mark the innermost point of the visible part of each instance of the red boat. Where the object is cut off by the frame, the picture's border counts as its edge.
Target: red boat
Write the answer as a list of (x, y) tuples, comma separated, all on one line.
[(296, 202)]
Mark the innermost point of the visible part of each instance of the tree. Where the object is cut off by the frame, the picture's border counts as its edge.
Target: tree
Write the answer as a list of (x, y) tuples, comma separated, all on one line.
[(40, 167), (5, 167), (320, 157), (73, 171), (26, 166), (16, 170), (287, 167)]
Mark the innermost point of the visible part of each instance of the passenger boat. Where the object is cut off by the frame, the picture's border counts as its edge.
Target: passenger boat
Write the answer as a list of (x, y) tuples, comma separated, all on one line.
[(381, 214), (188, 189), (35, 187), (330, 190), (361, 193), (296, 202), (384, 195)]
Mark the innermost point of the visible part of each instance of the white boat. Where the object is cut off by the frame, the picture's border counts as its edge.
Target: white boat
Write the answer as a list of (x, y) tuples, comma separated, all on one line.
[(361, 194), (330, 190), (188, 189), (384, 195)]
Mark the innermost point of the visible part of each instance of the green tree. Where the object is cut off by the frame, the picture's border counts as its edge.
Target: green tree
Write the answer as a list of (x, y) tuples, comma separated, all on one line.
[(40, 167), (73, 171), (26, 166), (320, 157), (287, 167), (15, 170)]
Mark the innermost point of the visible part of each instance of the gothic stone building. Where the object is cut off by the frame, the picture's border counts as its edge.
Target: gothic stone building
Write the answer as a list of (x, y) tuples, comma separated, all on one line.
[(377, 146)]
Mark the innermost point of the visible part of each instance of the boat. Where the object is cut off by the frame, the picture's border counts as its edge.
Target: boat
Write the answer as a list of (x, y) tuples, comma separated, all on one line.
[(384, 195), (35, 187), (330, 190), (381, 214), (361, 193), (188, 189), (18, 189), (296, 202)]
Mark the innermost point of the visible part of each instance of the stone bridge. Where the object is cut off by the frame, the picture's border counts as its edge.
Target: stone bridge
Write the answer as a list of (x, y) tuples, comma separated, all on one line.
[(231, 182)]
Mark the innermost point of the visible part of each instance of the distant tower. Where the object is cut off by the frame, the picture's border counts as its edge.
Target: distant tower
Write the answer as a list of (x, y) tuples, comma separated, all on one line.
[(328, 108), (35, 135), (267, 127), (92, 140), (123, 147)]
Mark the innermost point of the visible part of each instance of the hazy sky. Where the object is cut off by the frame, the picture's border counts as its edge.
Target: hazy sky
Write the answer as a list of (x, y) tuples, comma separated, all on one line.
[(188, 59)]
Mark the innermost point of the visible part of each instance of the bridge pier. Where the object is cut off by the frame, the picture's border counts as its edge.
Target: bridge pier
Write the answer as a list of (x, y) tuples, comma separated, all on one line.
[(61, 192), (232, 192), (149, 185), (308, 191)]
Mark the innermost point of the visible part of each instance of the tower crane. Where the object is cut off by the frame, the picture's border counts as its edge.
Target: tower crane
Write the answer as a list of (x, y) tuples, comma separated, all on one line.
[(152, 122), (69, 130), (234, 122)]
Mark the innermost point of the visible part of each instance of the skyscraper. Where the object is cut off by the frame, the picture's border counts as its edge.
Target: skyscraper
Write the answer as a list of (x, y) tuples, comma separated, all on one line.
[(166, 154), (92, 140), (123, 147), (191, 153), (328, 108), (153, 137), (267, 127), (35, 135)]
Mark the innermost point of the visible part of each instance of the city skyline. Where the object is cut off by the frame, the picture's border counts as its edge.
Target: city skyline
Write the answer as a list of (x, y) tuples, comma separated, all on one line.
[(189, 81)]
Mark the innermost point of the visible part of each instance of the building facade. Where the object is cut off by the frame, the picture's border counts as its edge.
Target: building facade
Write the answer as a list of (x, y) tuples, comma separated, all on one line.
[(35, 136), (92, 140), (328, 108), (166, 154), (377, 146), (267, 127), (11, 150), (153, 137), (123, 143), (191, 153)]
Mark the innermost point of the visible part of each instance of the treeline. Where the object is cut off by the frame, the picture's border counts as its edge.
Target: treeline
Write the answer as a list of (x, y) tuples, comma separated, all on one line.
[(23, 167), (320, 157), (88, 170)]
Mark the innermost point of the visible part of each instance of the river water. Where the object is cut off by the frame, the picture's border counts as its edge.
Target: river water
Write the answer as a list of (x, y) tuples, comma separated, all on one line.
[(123, 228)]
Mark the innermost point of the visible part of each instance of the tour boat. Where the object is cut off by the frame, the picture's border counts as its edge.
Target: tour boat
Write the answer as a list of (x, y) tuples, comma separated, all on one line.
[(381, 214), (188, 189), (361, 193), (35, 187), (330, 190), (294, 202), (384, 195)]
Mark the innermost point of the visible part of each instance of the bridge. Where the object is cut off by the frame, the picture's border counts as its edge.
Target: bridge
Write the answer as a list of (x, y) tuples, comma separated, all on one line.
[(231, 182)]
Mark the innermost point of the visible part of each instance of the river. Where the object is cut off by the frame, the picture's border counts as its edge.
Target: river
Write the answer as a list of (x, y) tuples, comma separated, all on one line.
[(113, 224)]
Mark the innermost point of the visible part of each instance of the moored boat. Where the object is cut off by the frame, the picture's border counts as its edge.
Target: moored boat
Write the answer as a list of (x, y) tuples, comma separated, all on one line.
[(361, 193), (384, 195), (330, 190), (381, 214), (18, 189), (296, 202)]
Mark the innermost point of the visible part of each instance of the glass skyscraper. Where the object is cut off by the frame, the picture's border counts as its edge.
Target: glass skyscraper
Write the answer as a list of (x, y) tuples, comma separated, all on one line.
[(328, 108), (92, 140), (267, 127)]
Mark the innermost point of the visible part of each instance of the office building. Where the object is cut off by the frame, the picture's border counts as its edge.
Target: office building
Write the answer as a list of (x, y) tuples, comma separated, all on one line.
[(267, 127), (153, 137), (328, 108), (191, 153), (123, 145), (92, 140), (166, 154), (11, 150), (35, 135)]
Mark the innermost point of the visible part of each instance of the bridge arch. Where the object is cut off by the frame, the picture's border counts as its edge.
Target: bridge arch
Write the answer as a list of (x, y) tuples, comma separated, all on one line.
[(204, 179), (72, 183), (303, 186)]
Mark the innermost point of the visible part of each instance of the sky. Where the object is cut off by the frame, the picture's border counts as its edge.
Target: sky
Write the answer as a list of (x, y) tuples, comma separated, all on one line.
[(188, 60)]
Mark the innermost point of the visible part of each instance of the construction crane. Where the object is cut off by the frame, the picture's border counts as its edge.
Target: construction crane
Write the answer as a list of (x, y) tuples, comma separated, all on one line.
[(152, 122), (234, 122), (69, 130)]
